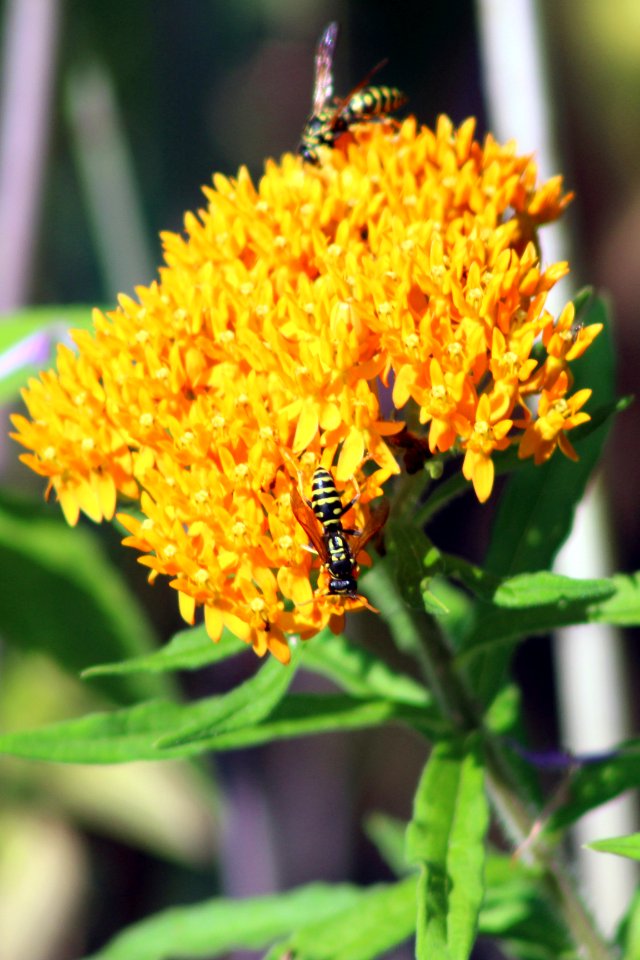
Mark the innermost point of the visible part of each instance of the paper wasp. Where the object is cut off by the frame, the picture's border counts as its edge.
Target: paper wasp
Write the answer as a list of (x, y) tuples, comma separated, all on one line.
[(332, 116), (337, 547)]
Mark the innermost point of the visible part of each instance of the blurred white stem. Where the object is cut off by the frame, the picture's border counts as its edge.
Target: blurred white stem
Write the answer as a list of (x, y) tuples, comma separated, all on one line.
[(593, 701)]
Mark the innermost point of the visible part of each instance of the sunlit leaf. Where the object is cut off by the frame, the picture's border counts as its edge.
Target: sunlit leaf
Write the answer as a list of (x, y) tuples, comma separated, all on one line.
[(187, 650), (383, 917), (133, 733), (446, 837), (614, 600), (244, 706), (218, 926), (27, 341), (388, 836), (359, 672), (596, 782), (628, 846)]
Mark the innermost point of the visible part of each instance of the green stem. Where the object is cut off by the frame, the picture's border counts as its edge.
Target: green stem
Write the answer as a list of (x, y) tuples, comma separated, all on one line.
[(415, 633), (519, 824)]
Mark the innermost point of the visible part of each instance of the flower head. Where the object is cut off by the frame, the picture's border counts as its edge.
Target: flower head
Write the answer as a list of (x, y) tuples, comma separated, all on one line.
[(288, 325)]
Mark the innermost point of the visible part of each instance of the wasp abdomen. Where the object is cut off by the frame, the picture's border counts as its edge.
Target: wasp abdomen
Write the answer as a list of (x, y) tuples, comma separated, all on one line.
[(372, 102), (325, 501)]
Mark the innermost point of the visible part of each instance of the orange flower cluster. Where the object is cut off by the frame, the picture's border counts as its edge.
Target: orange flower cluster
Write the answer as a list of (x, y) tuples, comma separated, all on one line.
[(405, 260)]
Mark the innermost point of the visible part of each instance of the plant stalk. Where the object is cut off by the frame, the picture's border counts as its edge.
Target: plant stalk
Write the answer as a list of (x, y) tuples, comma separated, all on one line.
[(510, 807), (423, 637)]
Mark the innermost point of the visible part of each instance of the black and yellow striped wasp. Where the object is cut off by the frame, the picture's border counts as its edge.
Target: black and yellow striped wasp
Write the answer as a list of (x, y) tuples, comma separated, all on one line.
[(337, 547), (332, 116)]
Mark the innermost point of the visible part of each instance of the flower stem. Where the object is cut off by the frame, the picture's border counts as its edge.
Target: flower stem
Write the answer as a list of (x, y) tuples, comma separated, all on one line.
[(422, 636), (509, 805)]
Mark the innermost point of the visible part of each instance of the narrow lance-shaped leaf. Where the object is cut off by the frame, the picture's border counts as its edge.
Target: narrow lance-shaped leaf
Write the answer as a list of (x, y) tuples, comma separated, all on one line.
[(525, 589), (628, 938), (359, 672), (353, 668), (244, 706), (517, 913), (218, 926), (388, 836), (383, 918), (597, 781), (188, 650), (628, 846), (563, 602), (446, 837), (133, 733)]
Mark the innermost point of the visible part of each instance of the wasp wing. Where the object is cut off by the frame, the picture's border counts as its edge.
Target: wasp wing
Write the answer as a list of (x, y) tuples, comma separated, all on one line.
[(377, 519), (323, 80), (309, 523)]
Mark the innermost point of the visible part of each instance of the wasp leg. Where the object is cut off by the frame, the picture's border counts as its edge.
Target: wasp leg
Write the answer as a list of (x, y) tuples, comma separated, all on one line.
[(352, 502), (353, 533)]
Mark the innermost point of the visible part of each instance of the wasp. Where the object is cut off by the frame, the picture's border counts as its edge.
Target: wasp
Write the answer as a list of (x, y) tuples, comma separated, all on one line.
[(337, 547), (332, 116)]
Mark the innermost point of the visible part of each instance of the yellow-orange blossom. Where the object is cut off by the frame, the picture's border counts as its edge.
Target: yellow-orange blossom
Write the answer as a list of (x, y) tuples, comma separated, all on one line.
[(406, 260)]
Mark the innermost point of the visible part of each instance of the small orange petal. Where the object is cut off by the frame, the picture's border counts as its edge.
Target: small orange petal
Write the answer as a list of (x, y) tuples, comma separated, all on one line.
[(351, 456), (106, 489), (213, 621), (187, 607), (239, 627), (306, 428), (70, 506)]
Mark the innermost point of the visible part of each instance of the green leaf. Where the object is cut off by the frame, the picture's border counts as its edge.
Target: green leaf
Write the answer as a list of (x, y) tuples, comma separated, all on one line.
[(187, 650), (62, 597), (383, 917), (614, 600), (537, 589), (133, 732), (218, 926), (388, 836), (447, 838), (355, 670), (622, 608), (628, 937), (322, 923), (524, 590), (27, 341), (359, 672), (458, 619), (517, 913), (23, 323), (597, 782), (628, 846), (244, 706)]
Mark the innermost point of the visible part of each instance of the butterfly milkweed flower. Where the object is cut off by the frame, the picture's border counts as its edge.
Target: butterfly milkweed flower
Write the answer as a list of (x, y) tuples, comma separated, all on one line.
[(306, 321)]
